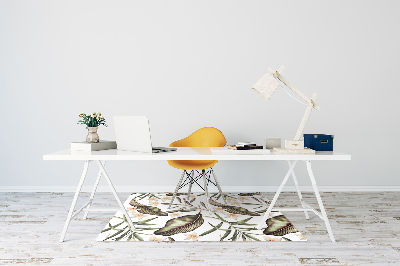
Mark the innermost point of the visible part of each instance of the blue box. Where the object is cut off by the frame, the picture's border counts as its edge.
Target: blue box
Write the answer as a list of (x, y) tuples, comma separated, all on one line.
[(318, 142)]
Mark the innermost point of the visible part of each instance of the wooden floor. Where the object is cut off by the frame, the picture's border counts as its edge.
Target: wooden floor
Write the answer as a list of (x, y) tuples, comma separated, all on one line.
[(366, 226)]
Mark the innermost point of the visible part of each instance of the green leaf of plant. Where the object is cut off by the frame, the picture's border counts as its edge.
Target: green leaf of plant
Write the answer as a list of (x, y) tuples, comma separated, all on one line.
[(215, 228), (115, 226), (235, 234), (222, 219), (138, 237), (225, 235), (113, 235), (241, 222), (105, 230), (145, 222), (251, 237), (122, 236)]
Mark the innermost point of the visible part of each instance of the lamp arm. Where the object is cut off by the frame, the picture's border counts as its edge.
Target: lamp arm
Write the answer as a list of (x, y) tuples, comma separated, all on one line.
[(305, 117), (293, 88)]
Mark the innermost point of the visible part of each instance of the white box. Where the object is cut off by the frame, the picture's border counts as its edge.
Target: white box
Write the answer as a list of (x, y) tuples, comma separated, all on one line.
[(294, 144), (271, 143), (86, 146)]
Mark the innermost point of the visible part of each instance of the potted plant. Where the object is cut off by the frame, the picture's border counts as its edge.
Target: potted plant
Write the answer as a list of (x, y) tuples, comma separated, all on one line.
[(92, 123)]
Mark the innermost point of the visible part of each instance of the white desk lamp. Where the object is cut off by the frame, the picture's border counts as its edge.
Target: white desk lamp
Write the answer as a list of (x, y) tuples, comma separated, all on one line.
[(266, 86)]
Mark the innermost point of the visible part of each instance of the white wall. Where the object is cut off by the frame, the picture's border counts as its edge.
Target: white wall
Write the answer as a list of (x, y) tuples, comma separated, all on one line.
[(189, 64)]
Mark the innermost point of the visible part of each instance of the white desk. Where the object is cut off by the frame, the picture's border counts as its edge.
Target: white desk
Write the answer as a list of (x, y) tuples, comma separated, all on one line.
[(194, 154)]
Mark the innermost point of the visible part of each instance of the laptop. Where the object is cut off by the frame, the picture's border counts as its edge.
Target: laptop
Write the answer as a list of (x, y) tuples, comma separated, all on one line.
[(133, 134)]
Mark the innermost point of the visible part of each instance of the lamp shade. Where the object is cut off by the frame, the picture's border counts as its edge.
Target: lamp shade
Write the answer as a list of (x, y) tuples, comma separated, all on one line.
[(266, 86)]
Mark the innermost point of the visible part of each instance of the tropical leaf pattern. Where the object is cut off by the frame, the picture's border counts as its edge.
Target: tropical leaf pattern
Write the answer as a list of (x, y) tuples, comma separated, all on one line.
[(182, 224), (147, 209), (249, 194), (190, 219), (234, 209), (279, 226)]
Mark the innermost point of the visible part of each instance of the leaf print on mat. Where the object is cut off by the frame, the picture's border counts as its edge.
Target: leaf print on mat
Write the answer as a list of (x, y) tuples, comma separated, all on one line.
[(279, 226), (147, 209), (182, 224), (177, 194), (249, 194), (233, 209)]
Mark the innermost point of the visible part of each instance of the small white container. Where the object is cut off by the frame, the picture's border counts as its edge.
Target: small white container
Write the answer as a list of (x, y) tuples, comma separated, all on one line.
[(271, 143), (294, 144)]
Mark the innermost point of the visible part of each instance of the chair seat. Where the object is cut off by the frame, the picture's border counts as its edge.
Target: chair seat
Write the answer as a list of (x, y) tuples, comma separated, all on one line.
[(192, 164)]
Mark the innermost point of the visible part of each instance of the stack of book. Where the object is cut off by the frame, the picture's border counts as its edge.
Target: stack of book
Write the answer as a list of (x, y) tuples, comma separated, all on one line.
[(98, 146), (245, 146), (240, 148)]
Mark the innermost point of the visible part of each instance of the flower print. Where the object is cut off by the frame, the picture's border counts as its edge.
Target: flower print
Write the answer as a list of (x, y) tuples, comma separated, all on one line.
[(231, 215), (301, 237), (155, 238), (154, 203), (166, 198), (269, 238), (153, 199), (192, 236), (131, 209), (218, 209), (175, 214), (235, 203), (192, 196), (242, 198), (230, 199), (138, 215)]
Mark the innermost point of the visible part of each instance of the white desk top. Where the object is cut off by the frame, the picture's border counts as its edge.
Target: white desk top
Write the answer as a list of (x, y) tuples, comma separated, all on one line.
[(185, 153)]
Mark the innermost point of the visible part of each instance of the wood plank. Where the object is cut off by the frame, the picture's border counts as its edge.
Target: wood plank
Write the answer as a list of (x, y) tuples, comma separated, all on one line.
[(366, 226)]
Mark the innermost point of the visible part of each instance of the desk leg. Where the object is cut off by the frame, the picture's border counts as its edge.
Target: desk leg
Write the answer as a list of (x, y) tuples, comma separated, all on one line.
[(265, 217), (299, 192), (71, 210), (321, 205), (93, 192), (132, 227)]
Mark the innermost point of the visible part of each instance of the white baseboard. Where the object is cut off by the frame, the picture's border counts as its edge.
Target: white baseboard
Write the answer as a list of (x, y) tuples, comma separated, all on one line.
[(132, 189)]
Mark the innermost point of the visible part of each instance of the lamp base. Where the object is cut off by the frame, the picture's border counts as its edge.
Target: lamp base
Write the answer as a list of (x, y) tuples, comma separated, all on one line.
[(293, 151)]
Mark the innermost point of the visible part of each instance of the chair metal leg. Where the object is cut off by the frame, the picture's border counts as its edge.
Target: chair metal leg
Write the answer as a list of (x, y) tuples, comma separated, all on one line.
[(176, 190), (321, 205), (71, 210), (190, 184), (299, 192), (218, 186), (206, 189), (93, 192)]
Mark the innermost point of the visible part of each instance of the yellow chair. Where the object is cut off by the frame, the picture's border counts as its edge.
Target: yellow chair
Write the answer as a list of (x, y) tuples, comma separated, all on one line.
[(204, 137)]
